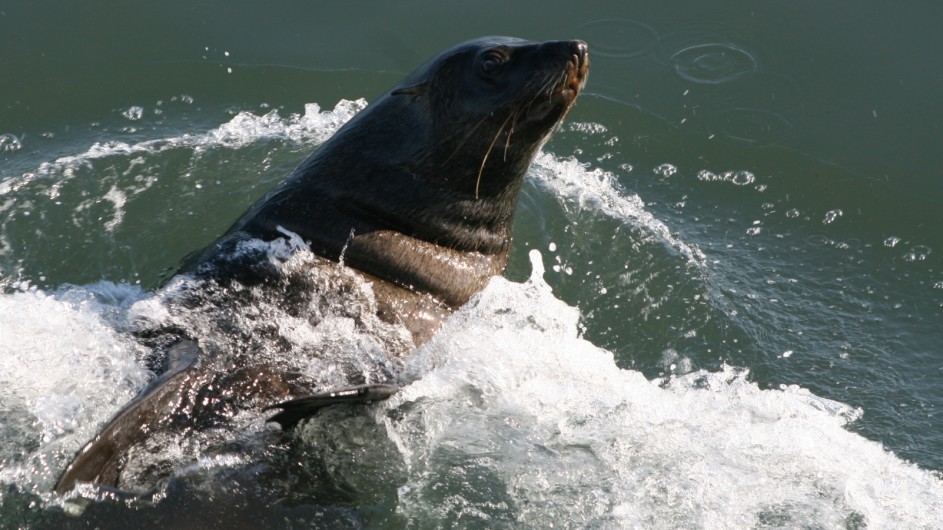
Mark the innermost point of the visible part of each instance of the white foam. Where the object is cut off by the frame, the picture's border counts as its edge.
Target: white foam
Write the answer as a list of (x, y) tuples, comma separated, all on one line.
[(64, 367), (313, 126), (509, 394)]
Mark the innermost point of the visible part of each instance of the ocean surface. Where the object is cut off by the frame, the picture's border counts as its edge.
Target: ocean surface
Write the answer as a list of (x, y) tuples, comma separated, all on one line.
[(724, 302)]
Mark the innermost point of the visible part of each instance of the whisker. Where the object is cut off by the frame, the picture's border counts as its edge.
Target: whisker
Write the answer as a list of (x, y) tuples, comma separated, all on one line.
[(465, 139), (488, 152), (547, 84), (507, 142)]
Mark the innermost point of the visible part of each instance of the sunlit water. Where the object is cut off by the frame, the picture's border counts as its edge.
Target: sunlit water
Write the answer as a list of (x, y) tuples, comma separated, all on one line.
[(523, 412)]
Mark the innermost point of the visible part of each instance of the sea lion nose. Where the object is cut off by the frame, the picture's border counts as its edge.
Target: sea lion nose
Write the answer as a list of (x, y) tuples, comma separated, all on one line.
[(579, 47), (580, 50)]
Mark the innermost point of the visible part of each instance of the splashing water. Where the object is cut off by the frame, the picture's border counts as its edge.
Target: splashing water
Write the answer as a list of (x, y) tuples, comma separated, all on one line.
[(508, 417), (509, 399)]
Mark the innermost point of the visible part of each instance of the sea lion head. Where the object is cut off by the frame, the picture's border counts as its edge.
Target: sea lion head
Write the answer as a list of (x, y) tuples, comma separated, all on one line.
[(492, 103)]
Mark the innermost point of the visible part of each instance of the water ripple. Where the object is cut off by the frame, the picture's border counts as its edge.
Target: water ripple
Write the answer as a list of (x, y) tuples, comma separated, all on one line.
[(754, 125), (713, 63), (619, 38)]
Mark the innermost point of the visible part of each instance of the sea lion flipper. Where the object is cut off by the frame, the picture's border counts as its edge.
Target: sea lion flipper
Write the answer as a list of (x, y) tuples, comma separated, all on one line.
[(295, 410), (99, 461)]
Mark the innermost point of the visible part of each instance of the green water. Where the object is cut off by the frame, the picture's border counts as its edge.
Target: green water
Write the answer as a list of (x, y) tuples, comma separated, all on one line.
[(797, 145)]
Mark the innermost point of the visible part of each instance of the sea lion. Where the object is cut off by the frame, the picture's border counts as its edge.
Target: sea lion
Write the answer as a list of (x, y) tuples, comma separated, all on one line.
[(414, 197)]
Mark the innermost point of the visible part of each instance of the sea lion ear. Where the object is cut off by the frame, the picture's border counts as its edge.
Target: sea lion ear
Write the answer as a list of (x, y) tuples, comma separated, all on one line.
[(413, 90)]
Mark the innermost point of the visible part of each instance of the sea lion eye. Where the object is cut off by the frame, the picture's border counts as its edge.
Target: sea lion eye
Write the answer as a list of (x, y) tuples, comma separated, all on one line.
[(490, 64)]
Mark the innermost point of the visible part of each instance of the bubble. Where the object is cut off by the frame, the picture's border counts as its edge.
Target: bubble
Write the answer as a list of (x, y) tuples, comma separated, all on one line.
[(917, 253), (665, 170), (10, 142), (713, 63), (737, 178), (133, 113), (707, 176), (891, 242), (588, 128), (831, 216), (742, 178), (619, 38)]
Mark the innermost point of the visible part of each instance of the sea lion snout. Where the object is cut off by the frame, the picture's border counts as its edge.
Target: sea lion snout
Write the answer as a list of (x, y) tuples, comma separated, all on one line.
[(576, 79), (573, 57)]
